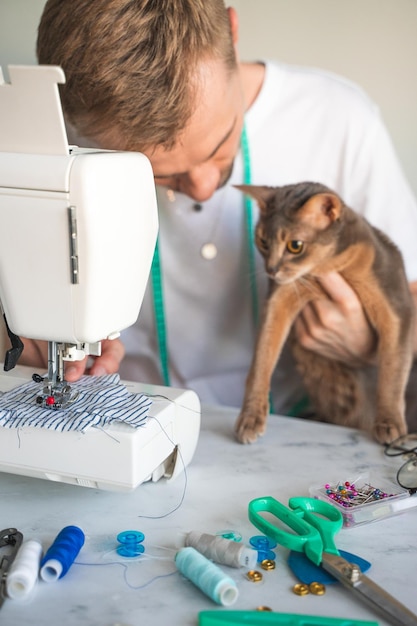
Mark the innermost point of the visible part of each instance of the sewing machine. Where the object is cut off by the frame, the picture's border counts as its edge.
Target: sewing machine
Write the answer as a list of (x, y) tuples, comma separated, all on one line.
[(77, 234)]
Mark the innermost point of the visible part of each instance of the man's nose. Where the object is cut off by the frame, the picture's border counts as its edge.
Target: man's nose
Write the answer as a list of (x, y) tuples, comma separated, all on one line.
[(201, 182)]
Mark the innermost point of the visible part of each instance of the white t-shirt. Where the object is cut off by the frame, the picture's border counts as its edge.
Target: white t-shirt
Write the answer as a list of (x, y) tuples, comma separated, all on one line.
[(304, 125)]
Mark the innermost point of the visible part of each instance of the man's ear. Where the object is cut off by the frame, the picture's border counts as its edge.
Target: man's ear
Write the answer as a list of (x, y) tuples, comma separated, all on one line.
[(234, 25)]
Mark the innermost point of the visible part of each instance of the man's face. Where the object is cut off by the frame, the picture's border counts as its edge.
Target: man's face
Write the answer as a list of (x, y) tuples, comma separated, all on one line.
[(202, 159)]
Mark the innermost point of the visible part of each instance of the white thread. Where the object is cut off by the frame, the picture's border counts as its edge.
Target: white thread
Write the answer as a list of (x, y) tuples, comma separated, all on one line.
[(206, 576), (222, 550), (23, 572)]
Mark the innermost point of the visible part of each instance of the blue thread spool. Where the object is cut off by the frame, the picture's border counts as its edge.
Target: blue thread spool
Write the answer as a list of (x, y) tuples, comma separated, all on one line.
[(131, 541), (62, 553), (206, 576), (264, 547)]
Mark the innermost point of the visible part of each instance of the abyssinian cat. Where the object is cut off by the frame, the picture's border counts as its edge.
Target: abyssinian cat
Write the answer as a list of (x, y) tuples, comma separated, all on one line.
[(304, 231)]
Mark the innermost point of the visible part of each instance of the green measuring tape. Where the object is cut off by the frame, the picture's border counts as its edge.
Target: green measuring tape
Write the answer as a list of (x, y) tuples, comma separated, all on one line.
[(156, 270), (250, 242), (159, 312)]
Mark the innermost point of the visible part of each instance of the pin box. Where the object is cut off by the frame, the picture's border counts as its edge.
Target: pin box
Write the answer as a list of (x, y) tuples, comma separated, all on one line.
[(368, 505)]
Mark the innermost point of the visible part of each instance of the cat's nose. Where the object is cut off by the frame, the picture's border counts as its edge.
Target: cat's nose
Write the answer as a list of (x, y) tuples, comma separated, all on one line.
[(272, 270)]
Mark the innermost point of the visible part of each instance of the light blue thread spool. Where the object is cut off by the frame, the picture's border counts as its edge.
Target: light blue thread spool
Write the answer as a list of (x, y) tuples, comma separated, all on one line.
[(131, 541), (206, 576)]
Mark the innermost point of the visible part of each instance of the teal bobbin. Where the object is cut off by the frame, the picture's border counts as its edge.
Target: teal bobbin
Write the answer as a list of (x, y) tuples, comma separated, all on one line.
[(131, 543)]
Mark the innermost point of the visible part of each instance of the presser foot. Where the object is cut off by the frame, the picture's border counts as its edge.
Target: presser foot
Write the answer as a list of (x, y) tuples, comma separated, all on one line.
[(57, 395)]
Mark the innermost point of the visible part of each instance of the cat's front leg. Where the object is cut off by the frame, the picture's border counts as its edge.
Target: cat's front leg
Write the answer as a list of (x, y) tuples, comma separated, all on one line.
[(394, 368), (274, 329), (395, 357), (251, 422), (395, 362)]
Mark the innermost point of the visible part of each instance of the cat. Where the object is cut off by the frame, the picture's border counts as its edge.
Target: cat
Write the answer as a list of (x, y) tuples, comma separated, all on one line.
[(305, 230)]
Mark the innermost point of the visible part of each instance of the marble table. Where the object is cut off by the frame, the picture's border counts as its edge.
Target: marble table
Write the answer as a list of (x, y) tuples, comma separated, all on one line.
[(104, 589)]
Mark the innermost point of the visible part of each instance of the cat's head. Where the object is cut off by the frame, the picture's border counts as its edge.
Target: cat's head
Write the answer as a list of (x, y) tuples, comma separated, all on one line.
[(297, 228)]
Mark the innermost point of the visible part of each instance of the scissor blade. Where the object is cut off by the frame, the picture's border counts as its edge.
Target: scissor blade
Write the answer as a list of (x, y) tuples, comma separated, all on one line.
[(350, 575)]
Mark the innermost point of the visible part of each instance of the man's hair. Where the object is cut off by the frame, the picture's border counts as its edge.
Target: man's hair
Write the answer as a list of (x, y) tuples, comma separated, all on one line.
[(130, 65)]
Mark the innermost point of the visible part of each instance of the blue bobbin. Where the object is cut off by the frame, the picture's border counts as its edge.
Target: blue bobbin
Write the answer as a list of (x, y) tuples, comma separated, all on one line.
[(264, 546), (233, 535), (131, 543)]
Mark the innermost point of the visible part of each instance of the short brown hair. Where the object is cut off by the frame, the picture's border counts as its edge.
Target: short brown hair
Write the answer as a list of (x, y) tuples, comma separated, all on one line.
[(130, 64)]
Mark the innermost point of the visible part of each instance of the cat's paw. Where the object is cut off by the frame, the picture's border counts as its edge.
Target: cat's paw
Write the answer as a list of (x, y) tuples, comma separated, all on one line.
[(249, 427), (388, 431)]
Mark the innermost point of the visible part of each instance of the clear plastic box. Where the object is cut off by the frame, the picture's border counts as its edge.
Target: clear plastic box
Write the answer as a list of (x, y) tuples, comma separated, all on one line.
[(359, 511)]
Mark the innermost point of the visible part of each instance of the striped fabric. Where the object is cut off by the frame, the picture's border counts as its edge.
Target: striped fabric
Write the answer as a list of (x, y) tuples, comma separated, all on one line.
[(102, 400)]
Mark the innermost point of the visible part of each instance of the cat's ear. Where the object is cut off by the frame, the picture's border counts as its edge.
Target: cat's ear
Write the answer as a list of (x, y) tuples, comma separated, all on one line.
[(259, 193), (322, 210)]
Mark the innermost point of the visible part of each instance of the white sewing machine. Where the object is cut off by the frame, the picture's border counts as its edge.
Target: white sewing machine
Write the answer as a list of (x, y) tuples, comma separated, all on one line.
[(77, 234)]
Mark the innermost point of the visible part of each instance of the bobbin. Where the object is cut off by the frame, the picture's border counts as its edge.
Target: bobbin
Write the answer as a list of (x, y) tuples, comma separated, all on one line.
[(264, 546), (131, 543)]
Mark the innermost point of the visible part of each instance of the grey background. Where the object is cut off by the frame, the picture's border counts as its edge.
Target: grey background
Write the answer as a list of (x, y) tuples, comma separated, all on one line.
[(372, 42)]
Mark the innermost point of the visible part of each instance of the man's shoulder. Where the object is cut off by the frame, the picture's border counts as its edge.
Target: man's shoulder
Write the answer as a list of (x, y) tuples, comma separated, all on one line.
[(315, 84)]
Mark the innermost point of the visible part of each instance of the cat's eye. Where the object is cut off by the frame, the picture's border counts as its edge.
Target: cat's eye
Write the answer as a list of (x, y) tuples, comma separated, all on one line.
[(295, 246)]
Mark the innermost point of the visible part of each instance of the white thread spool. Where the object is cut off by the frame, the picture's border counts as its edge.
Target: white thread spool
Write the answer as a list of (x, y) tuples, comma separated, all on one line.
[(206, 576), (222, 550), (24, 570)]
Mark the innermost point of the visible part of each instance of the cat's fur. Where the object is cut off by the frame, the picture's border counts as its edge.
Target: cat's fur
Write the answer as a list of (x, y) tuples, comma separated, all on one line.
[(333, 238)]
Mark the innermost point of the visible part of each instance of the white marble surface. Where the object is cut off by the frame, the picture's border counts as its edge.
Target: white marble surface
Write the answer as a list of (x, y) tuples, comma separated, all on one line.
[(223, 477)]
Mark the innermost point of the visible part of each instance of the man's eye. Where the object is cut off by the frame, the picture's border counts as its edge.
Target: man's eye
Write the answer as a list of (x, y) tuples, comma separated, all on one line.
[(295, 246)]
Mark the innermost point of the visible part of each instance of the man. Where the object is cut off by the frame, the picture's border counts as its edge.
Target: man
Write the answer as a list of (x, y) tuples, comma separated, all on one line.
[(163, 78)]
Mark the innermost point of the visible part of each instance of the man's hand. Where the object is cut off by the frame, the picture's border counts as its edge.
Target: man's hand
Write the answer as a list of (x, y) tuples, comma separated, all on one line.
[(337, 327), (35, 354), (112, 353)]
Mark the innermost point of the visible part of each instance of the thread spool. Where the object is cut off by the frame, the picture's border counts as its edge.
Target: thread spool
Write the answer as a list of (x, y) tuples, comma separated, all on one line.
[(62, 553), (131, 543), (264, 546), (222, 550), (23, 572), (206, 576)]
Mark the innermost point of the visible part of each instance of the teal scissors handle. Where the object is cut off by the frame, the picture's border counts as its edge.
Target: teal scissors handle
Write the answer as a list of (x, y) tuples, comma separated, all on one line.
[(313, 521)]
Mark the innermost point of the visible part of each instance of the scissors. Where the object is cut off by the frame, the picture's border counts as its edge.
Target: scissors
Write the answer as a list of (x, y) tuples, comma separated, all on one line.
[(315, 524), (13, 538)]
